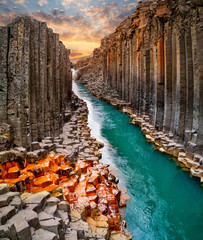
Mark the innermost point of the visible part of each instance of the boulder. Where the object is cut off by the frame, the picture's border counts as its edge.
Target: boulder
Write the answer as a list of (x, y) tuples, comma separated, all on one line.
[(44, 234)]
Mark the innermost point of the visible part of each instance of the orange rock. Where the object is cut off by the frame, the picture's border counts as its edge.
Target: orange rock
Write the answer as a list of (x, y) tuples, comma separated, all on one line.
[(45, 164), (101, 186), (103, 208), (116, 193), (51, 187), (55, 169), (8, 165), (80, 189), (83, 201), (114, 220), (103, 201), (113, 208), (29, 167), (102, 194), (36, 189), (84, 185), (76, 171), (94, 211), (90, 188), (63, 179), (71, 183), (111, 199), (57, 159), (93, 197), (13, 172), (70, 197), (3, 172), (82, 165), (15, 163), (65, 170), (43, 181), (20, 183), (38, 171), (94, 178)]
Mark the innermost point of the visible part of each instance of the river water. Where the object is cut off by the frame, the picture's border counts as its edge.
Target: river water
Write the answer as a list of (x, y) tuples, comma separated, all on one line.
[(166, 203)]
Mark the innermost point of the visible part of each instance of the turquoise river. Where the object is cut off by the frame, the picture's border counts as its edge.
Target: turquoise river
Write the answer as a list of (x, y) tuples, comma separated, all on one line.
[(166, 203)]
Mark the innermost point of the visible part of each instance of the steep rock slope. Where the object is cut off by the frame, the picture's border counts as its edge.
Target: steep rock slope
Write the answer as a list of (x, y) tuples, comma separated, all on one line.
[(35, 82), (154, 62)]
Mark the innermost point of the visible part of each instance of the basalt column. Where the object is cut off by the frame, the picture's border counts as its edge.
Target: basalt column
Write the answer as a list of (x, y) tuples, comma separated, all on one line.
[(35, 75), (159, 67)]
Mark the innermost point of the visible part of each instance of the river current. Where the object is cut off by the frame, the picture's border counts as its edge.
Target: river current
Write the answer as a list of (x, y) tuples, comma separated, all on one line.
[(166, 203)]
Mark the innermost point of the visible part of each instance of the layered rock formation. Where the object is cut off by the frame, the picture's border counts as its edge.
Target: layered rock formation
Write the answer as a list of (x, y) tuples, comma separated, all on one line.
[(74, 175), (154, 62), (35, 82)]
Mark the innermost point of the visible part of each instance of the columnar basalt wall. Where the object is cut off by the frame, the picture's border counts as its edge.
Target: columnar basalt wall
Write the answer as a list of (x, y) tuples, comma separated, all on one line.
[(154, 59), (35, 80)]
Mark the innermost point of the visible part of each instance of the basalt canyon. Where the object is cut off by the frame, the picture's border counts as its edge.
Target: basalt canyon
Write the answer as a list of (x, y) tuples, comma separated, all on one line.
[(55, 182), (151, 67)]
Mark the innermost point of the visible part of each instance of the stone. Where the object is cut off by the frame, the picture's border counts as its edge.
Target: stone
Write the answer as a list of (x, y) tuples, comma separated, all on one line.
[(81, 227), (4, 231), (5, 200), (72, 235), (98, 229), (6, 213), (37, 198), (77, 214), (22, 230), (159, 107), (30, 216), (34, 207), (16, 202), (35, 146), (65, 206), (34, 120), (52, 201), (51, 225), (12, 194), (13, 172), (44, 234), (4, 188), (50, 209), (63, 215), (120, 236), (32, 155), (43, 216), (6, 156)]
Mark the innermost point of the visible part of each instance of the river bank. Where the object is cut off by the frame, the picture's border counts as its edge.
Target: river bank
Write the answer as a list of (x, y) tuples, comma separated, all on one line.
[(62, 168), (162, 202), (192, 163)]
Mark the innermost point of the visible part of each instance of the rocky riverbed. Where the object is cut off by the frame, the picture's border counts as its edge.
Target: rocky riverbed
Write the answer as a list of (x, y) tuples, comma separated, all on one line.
[(60, 190), (92, 79)]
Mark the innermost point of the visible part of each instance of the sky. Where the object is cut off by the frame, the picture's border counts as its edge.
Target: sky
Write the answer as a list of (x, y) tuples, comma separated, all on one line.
[(81, 23)]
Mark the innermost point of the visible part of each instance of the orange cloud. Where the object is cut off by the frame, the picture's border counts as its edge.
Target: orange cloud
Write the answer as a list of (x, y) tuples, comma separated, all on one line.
[(82, 31)]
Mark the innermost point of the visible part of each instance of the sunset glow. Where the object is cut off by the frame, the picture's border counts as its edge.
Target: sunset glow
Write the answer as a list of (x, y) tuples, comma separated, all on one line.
[(81, 24)]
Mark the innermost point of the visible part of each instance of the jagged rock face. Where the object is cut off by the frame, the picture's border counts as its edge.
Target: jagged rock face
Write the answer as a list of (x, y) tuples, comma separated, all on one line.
[(35, 80), (154, 60)]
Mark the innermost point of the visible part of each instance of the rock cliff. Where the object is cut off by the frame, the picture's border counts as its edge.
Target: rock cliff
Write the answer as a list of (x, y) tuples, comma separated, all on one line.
[(154, 61), (35, 82)]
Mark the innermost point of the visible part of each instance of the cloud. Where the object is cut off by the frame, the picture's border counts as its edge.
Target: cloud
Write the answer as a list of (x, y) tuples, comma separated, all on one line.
[(80, 28), (76, 54), (2, 2), (57, 12), (67, 3), (20, 2), (41, 3)]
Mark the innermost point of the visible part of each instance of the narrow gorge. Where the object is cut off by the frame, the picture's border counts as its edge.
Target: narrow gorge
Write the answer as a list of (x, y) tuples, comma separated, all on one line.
[(152, 65), (109, 146)]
